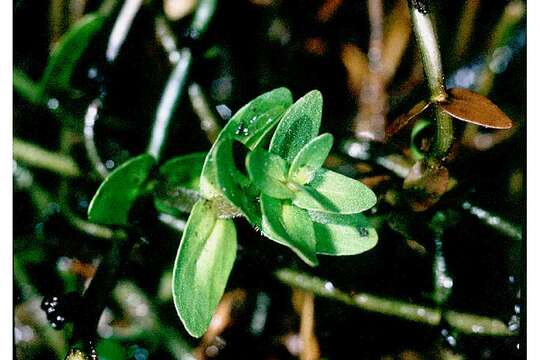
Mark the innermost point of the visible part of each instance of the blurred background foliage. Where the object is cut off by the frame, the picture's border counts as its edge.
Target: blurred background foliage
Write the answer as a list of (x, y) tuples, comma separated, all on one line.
[(445, 283)]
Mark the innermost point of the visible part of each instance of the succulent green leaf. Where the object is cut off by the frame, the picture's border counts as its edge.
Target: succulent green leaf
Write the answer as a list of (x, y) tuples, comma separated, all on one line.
[(203, 263), (310, 159), (290, 226), (68, 51), (234, 185), (298, 126), (339, 234), (118, 192), (268, 172), (178, 186), (252, 131), (329, 191), (249, 125)]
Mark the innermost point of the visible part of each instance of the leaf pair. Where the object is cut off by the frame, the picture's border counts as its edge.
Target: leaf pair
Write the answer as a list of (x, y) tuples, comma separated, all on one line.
[(292, 183), (208, 245), (461, 104), (284, 191)]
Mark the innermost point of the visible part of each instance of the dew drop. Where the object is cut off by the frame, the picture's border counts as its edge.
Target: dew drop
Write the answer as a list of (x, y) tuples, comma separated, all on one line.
[(53, 103)]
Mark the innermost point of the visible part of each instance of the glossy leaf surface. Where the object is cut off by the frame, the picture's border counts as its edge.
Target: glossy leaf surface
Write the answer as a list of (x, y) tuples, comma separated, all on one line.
[(204, 261), (249, 125), (118, 192), (474, 108), (343, 234), (298, 126), (335, 193), (311, 158), (269, 173), (290, 226)]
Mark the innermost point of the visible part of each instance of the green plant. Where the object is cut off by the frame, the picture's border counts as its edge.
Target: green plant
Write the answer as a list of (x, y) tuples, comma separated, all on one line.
[(283, 191)]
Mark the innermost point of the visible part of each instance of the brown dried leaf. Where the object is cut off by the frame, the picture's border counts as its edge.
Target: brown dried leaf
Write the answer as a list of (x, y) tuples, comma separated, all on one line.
[(474, 108), (404, 119), (427, 185)]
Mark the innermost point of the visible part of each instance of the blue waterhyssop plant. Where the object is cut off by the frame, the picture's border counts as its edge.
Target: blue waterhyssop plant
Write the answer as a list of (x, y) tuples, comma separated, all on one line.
[(283, 191)]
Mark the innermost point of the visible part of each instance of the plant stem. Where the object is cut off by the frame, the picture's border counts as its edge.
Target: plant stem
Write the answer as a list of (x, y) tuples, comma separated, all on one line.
[(103, 283), (466, 323), (176, 83), (494, 221), (121, 28), (431, 59), (209, 123), (36, 156), (168, 103), (90, 118), (132, 299), (371, 121)]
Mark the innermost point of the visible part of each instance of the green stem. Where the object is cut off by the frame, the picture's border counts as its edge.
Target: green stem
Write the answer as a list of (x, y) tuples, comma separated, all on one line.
[(33, 155), (103, 283), (25, 87), (466, 323), (431, 59), (494, 221)]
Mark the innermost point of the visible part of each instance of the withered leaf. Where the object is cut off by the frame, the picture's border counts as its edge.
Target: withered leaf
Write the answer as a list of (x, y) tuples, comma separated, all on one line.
[(474, 108), (404, 119)]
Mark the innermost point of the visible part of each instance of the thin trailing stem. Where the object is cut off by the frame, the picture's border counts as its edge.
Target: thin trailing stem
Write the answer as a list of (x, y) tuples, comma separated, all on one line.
[(209, 122), (97, 294), (168, 103), (371, 118), (431, 59), (36, 156), (90, 118), (466, 323)]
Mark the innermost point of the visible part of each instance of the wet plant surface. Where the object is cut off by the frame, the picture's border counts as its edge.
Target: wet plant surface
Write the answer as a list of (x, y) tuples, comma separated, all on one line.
[(135, 98)]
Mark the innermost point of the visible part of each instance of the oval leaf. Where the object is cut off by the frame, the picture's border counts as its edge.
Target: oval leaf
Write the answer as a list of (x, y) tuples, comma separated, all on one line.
[(335, 193), (203, 263), (68, 51), (249, 125), (269, 173), (343, 234), (299, 125), (310, 159), (289, 226), (117, 193), (474, 108)]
